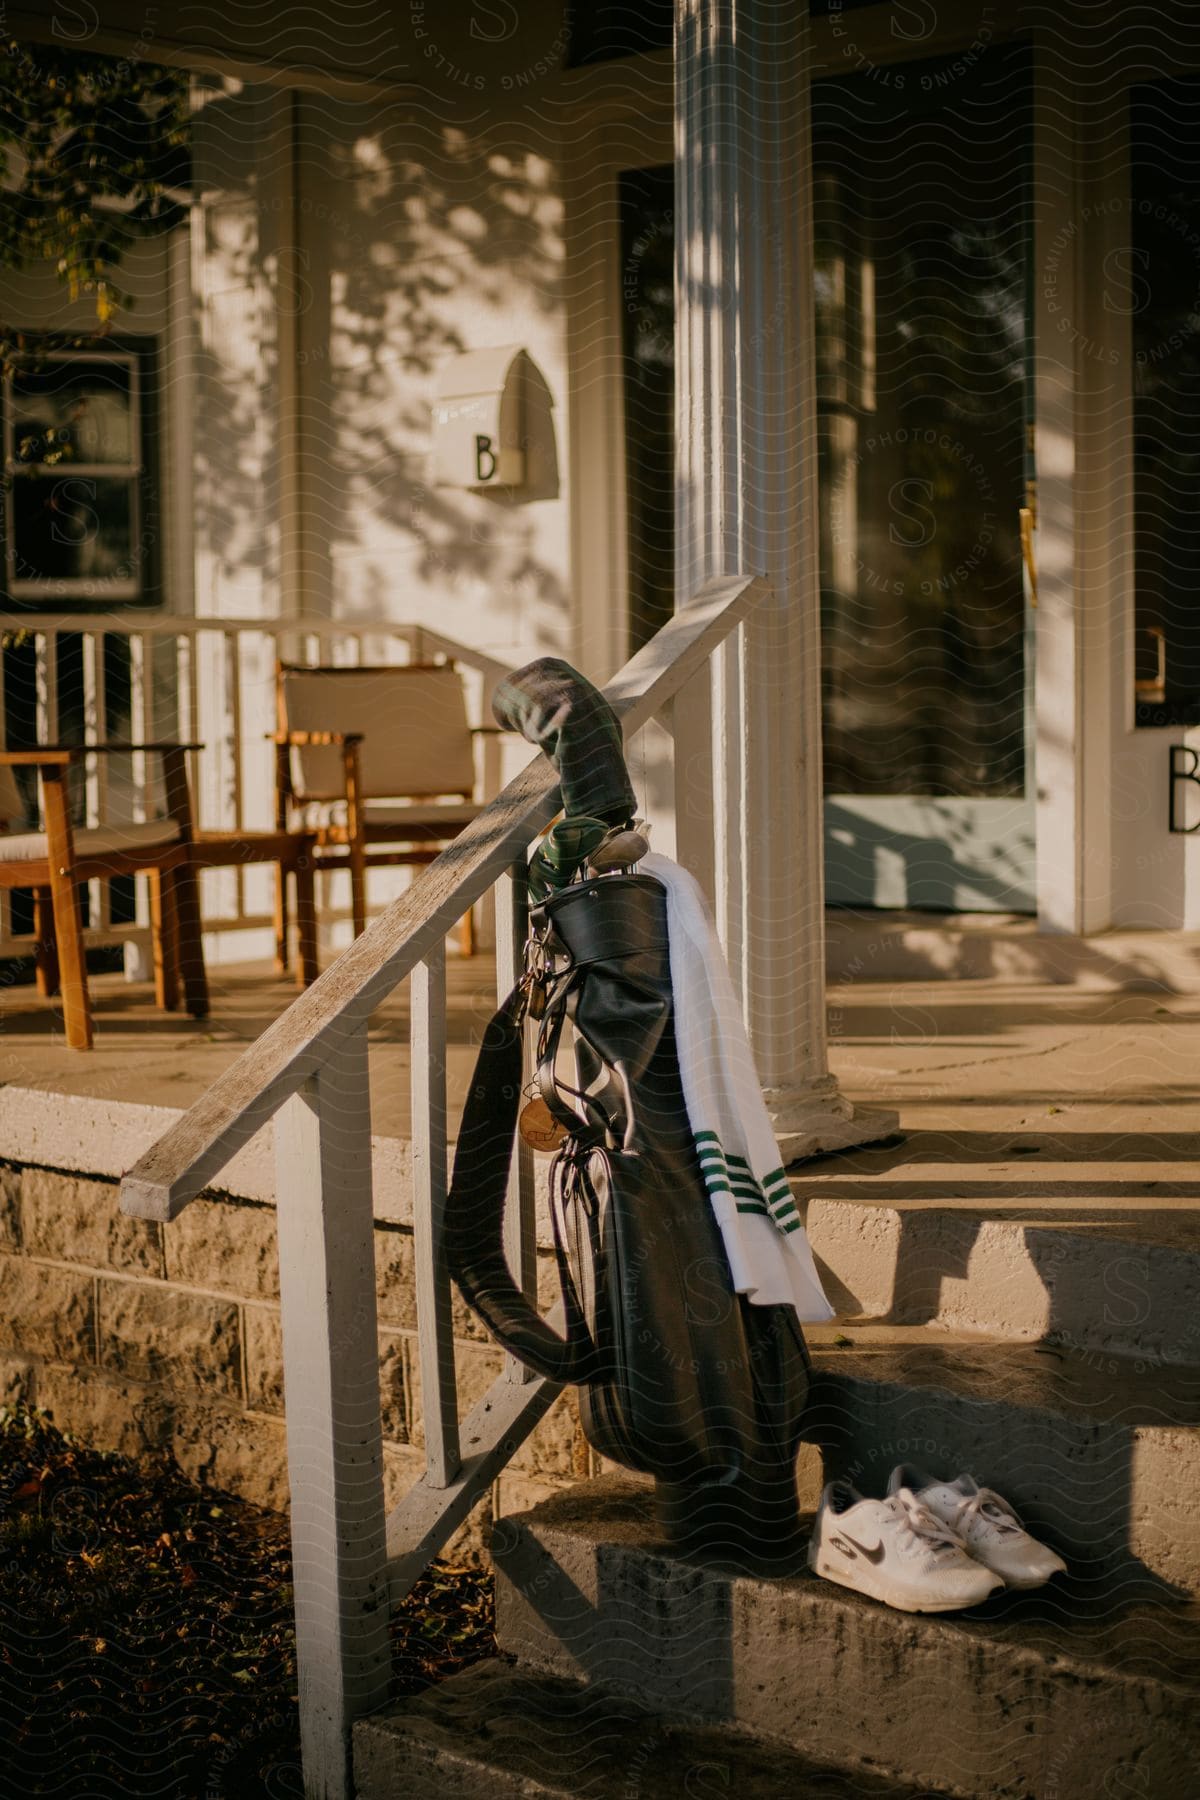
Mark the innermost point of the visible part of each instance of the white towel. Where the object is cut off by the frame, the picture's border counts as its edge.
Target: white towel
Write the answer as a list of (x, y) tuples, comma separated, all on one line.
[(769, 1256)]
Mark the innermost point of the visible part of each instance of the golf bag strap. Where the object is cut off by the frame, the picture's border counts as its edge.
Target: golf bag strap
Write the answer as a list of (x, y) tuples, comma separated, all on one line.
[(589, 1129), (474, 1224)]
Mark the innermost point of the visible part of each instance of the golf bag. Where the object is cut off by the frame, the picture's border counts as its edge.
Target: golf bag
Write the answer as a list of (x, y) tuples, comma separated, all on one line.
[(679, 1376)]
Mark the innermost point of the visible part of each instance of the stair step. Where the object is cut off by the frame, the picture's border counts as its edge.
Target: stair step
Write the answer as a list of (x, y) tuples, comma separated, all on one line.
[(495, 1731), (1043, 1696), (1042, 1230), (1100, 1456), (1052, 1249)]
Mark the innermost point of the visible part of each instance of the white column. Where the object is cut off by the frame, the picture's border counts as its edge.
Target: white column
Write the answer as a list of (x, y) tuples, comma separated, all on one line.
[(1058, 262), (1101, 829), (747, 500)]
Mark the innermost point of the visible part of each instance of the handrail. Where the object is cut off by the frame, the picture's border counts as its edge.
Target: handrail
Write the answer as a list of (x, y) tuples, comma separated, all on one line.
[(311, 1068), (304, 1037), (137, 622)]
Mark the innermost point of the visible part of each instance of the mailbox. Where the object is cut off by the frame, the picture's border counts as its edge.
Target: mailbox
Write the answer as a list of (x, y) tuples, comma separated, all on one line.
[(478, 420)]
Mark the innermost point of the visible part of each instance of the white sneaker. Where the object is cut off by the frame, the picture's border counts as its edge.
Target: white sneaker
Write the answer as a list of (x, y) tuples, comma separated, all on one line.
[(985, 1522), (896, 1551)]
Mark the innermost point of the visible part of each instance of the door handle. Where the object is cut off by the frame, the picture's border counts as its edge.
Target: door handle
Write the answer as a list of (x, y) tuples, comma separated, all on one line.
[(1154, 688), (1027, 552)]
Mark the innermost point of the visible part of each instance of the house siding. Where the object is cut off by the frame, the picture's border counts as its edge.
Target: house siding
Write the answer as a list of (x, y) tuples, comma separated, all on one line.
[(343, 253)]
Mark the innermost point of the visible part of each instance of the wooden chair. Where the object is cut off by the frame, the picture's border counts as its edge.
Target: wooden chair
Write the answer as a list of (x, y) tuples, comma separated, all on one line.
[(382, 762), (53, 862)]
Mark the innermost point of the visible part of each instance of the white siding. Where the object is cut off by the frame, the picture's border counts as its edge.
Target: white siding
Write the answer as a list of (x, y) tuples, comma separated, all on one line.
[(420, 239)]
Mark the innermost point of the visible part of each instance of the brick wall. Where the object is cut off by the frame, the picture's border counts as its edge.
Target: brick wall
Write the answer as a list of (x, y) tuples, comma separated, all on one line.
[(143, 1337)]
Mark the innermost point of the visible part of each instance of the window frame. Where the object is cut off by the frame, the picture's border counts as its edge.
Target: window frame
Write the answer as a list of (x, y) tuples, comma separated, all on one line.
[(139, 588)]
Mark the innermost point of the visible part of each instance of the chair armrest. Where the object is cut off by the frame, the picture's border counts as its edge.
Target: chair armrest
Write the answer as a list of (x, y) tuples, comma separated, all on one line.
[(72, 752), (31, 758), (306, 739), (120, 749)]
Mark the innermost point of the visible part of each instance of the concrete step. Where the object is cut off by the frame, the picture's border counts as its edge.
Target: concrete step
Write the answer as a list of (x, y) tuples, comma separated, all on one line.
[(1087, 1253), (1051, 1696), (1100, 1457), (496, 1731)]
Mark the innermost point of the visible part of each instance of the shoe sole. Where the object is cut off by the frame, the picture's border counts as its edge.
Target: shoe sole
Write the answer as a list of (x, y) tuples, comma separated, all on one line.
[(902, 1603), (1027, 1587)]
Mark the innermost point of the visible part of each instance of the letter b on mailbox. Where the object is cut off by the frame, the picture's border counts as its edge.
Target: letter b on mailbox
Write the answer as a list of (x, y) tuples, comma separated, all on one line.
[(477, 420)]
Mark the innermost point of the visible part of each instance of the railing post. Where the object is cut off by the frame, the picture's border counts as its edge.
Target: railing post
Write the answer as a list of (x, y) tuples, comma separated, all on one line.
[(331, 1380), (235, 786), (138, 954), (6, 895), (520, 1220), (96, 768), (45, 677), (435, 1326)]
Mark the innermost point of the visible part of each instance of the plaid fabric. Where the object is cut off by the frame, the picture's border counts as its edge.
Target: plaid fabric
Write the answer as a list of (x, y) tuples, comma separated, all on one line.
[(560, 711)]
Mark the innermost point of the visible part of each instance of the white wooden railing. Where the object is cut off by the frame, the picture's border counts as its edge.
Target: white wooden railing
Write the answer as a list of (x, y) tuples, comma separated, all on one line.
[(206, 680), (309, 1072)]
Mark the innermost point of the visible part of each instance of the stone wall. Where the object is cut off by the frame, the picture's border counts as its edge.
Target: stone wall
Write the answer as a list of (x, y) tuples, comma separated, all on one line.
[(142, 1337)]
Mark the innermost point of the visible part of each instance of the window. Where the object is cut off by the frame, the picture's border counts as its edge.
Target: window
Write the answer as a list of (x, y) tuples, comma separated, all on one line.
[(647, 199), (921, 274), (1162, 270), (79, 512)]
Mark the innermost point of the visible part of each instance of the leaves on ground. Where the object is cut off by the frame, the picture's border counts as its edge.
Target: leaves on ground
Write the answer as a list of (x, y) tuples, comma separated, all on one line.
[(146, 1634)]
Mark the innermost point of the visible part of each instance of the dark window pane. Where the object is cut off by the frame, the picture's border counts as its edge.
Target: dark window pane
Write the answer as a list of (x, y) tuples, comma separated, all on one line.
[(1164, 293), (80, 499), (603, 30), (72, 528), (20, 716), (921, 270), (70, 707), (74, 412), (122, 900), (648, 349)]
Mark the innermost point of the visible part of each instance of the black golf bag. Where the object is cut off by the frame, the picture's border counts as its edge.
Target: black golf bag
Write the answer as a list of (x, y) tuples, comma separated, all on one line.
[(679, 1377)]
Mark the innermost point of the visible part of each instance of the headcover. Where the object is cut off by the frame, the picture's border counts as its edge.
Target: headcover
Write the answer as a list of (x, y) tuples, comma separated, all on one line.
[(560, 711)]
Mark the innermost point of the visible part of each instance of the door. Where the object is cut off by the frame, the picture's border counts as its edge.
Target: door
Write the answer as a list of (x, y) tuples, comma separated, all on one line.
[(923, 265), (921, 194)]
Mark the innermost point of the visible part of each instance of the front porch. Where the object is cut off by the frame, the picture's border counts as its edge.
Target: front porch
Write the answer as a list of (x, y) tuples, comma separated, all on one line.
[(963, 1024), (1014, 1257)]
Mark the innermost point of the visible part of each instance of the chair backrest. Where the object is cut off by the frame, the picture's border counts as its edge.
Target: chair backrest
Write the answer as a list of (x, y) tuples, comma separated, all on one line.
[(413, 718)]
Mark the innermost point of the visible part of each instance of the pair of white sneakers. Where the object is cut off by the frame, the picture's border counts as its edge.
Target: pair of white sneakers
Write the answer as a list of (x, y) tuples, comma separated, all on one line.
[(930, 1546)]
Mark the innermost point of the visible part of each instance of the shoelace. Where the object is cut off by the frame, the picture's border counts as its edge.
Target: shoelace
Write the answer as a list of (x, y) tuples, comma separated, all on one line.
[(922, 1526), (989, 1506)]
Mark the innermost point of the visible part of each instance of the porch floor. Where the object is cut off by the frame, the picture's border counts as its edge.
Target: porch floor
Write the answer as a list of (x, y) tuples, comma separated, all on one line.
[(1009, 1094), (167, 1059), (1018, 1094)]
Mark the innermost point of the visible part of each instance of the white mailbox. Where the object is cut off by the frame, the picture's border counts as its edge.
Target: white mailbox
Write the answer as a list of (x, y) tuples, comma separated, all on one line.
[(477, 420)]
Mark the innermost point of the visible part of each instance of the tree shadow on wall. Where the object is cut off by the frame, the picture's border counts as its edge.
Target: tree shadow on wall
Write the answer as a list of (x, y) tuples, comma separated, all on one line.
[(413, 238)]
